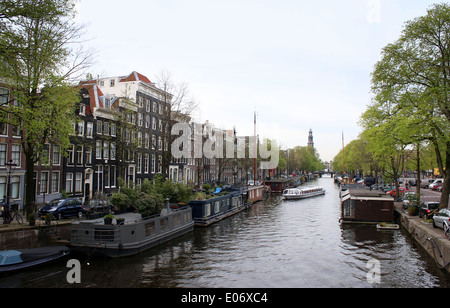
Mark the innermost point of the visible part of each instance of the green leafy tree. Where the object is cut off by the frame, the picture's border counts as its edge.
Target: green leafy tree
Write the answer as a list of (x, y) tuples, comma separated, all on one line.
[(37, 62), (412, 81)]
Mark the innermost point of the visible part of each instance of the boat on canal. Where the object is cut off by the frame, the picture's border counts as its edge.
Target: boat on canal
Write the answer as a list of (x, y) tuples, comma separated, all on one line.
[(23, 259), (132, 236), (228, 203), (297, 193)]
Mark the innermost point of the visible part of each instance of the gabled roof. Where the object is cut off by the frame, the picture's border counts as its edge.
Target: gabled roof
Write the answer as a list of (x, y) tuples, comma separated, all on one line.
[(135, 76), (94, 92)]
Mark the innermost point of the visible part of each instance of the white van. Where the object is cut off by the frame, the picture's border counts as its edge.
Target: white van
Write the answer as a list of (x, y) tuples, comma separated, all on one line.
[(435, 183)]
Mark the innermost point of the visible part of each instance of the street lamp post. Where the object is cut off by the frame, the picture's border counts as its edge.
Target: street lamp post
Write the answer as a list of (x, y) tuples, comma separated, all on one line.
[(10, 168)]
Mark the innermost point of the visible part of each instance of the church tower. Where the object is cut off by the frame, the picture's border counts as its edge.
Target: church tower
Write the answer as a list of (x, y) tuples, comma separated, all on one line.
[(310, 139)]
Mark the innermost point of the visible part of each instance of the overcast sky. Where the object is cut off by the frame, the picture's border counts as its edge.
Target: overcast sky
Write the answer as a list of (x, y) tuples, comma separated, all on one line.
[(300, 64)]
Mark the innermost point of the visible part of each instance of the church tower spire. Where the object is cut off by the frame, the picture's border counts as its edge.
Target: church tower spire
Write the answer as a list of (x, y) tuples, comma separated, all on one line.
[(310, 139)]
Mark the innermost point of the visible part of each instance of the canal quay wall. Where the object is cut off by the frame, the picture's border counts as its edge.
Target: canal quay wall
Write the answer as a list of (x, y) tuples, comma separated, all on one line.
[(432, 240), (15, 236)]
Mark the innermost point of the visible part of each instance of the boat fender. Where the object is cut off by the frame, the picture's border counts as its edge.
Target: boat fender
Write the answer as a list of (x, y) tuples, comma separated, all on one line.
[(120, 246)]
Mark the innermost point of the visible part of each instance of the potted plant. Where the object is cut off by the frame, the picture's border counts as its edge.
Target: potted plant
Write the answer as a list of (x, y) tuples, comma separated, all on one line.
[(108, 219), (120, 221), (48, 218), (31, 220)]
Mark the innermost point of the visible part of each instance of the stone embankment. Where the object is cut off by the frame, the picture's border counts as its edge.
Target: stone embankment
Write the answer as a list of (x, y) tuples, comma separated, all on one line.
[(432, 240)]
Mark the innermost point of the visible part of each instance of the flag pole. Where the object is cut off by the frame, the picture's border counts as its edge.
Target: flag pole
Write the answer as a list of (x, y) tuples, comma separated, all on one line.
[(343, 154)]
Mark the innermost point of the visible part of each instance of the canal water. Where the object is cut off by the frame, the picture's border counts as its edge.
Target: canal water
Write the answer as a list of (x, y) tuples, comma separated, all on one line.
[(275, 244)]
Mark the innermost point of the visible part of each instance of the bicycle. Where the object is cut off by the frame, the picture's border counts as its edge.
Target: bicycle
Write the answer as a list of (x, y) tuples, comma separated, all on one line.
[(11, 215), (446, 230)]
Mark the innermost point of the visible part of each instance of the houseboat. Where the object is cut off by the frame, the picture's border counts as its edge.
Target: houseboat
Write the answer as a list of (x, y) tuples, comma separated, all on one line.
[(279, 185), (307, 192), (365, 206), (255, 193), (215, 208), (132, 236)]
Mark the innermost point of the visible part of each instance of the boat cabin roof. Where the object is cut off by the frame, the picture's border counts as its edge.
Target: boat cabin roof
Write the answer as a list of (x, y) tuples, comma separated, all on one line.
[(9, 257)]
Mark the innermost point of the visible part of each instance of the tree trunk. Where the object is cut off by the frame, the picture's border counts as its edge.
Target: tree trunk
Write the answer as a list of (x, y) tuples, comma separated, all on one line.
[(418, 174), (29, 182), (446, 177)]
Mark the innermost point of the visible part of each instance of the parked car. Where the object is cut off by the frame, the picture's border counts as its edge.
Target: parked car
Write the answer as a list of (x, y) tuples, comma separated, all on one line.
[(440, 217), (60, 208), (426, 182), (436, 184), (440, 188), (393, 192), (427, 209)]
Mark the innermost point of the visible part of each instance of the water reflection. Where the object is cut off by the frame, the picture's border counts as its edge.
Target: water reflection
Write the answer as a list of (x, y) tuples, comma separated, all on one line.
[(275, 244)]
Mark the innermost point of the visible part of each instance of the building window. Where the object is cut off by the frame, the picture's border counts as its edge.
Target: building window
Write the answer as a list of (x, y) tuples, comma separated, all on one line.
[(3, 129), (71, 155), (15, 187), (4, 96), (146, 163), (16, 131), (15, 154), (139, 163), (147, 141), (98, 150), (90, 130), (81, 128), (2, 186), (78, 182), (105, 150), (55, 182), (82, 109), (107, 176), (113, 176), (56, 155), (113, 129), (113, 151), (69, 183), (99, 172), (79, 155), (44, 182), (99, 127), (3, 154), (153, 163), (112, 83), (88, 155), (106, 129)]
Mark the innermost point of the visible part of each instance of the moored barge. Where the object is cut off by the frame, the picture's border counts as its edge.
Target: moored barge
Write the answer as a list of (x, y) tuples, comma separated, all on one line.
[(211, 210), (133, 236)]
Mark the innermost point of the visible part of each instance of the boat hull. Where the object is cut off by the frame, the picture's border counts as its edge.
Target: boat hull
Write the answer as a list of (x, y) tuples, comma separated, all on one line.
[(299, 197), (36, 257), (128, 250), (133, 237)]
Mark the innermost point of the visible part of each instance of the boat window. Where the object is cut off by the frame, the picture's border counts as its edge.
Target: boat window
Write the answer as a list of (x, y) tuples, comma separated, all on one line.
[(187, 216), (207, 209), (150, 228), (164, 222), (216, 207), (104, 235), (177, 220)]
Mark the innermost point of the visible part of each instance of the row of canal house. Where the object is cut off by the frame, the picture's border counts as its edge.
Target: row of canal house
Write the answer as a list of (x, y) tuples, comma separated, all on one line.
[(120, 133)]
